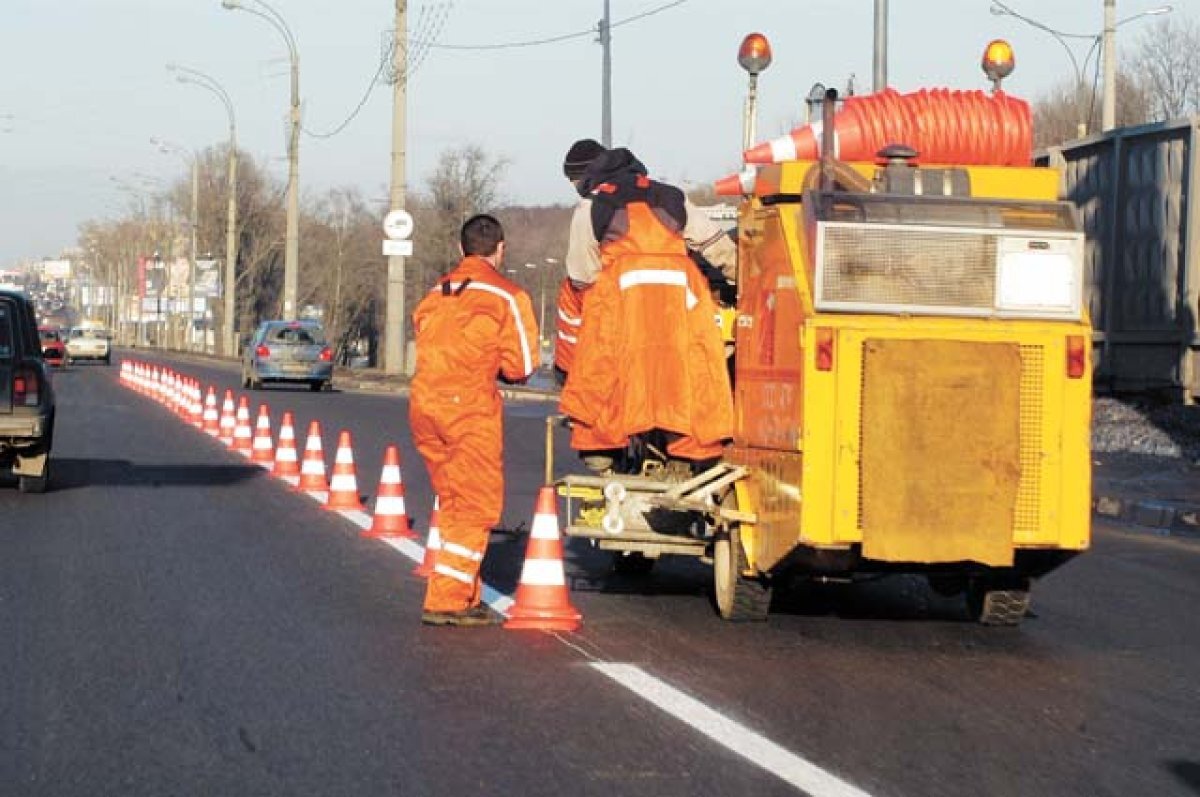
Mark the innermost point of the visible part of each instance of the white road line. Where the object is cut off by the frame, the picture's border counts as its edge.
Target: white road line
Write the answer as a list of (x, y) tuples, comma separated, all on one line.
[(752, 746)]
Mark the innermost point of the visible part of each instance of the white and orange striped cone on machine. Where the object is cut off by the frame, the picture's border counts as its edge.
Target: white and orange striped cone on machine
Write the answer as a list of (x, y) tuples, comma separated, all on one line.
[(542, 602), (312, 469), (287, 464), (211, 419), (391, 517), (262, 451), (343, 485), (433, 542), (227, 423), (243, 436)]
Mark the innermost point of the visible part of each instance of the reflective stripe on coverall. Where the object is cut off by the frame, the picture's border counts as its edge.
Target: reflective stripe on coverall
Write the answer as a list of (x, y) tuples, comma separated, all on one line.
[(567, 323), (473, 326), (649, 354)]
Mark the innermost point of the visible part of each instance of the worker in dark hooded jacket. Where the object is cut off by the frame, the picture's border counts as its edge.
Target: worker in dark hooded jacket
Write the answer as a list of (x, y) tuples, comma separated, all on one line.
[(649, 354)]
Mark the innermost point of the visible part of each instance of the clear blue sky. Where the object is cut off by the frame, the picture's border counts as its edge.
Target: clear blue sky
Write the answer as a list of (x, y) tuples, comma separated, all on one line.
[(85, 86)]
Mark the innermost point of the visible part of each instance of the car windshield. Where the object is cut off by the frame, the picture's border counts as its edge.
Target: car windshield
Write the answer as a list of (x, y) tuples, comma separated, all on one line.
[(48, 334), (95, 334), (300, 335)]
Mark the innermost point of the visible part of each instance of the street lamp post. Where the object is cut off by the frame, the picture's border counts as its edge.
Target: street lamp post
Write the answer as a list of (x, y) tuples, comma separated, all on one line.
[(191, 159), (291, 252), (198, 78), (195, 77), (1105, 39)]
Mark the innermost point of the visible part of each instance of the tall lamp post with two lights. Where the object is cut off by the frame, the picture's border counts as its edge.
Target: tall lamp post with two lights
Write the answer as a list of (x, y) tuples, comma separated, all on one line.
[(197, 78), (291, 252)]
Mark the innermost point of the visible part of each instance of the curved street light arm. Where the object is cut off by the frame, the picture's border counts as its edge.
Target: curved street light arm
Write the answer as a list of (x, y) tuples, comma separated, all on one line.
[(272, 16)]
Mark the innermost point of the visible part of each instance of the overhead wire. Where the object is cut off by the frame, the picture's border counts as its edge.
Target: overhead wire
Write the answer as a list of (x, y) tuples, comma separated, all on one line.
[(438, 17), (431, 21), (560, 38)]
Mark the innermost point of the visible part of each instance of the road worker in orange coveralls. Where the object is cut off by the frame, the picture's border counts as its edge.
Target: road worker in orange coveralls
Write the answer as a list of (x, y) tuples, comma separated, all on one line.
[(649, 354), (473, 327)]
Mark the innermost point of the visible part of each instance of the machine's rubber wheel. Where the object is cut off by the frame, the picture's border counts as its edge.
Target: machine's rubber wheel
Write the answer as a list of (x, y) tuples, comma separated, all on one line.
[(35, 484), (316, 387), (738, 598), (632, 563), (998, 601)]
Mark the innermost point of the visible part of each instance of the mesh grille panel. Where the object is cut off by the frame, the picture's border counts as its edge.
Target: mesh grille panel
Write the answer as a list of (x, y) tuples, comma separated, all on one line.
[(1026, 517), (873, 266)]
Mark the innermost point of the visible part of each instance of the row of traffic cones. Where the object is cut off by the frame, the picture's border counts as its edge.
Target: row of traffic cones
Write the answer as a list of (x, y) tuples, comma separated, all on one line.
[(541, 601)]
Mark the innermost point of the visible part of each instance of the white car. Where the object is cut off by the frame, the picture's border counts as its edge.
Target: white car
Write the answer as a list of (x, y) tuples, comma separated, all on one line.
[(88, 343)]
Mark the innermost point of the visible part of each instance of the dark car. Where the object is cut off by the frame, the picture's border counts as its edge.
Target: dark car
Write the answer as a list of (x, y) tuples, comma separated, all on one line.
[(54, 351), (26, 396), (288, 351)]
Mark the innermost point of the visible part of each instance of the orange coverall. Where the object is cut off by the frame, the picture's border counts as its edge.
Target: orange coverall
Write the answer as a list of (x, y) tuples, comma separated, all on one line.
[(650, 354), (569, 318), (473, 326)]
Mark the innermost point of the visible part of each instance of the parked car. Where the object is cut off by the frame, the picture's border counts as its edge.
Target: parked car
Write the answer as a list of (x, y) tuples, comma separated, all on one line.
[(54, 351), (288, 351), (88, 343), (26, 396)]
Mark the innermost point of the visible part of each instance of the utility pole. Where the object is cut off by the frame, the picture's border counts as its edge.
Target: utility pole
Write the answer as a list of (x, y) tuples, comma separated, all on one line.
[(606, 79), (395, 347), (1108, 114), (879, 76)]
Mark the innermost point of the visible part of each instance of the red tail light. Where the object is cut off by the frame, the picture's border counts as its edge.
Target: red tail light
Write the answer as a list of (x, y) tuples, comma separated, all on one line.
[(326, 355), (1077, 354), (25, 389), (262, 352), (824, 353)]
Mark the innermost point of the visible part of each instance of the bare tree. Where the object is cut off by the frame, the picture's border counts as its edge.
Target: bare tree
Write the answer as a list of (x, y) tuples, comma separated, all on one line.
[(1061, 110), (343, 270), (1166, 62)]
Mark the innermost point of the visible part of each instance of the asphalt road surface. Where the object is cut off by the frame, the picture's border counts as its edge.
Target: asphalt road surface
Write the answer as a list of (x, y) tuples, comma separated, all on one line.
[(175, 622)]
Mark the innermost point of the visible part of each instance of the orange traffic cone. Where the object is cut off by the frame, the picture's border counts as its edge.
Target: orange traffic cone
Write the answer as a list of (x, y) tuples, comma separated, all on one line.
[(541, 601), (226, 424), (242, 436), (343, 487), (738, 184), (286, 466), (312, 469), (262, 451), (211, 419), (433, 543), (391, 519)]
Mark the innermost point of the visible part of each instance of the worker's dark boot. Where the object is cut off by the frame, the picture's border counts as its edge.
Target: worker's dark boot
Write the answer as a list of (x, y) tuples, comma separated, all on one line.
[(480, 614)]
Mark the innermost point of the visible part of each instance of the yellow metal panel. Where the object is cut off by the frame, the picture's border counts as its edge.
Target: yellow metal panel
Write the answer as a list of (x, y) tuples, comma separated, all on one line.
[(1053, 506)]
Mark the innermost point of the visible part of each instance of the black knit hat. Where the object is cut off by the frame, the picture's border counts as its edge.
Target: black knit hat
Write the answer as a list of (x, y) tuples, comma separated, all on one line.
[(581, 153)]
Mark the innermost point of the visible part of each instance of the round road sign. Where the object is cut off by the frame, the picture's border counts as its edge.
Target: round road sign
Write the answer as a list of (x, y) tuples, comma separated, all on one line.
[(398, 224)]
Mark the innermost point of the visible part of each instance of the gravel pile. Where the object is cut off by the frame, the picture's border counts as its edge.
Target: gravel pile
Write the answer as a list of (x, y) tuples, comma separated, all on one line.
[(1138, 426)]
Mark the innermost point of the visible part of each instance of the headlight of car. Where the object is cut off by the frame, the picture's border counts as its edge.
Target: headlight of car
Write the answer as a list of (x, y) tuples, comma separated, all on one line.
[(1040, 276)]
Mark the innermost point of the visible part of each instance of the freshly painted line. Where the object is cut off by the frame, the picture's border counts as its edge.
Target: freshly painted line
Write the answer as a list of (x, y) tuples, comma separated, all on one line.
[(752, 746)]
